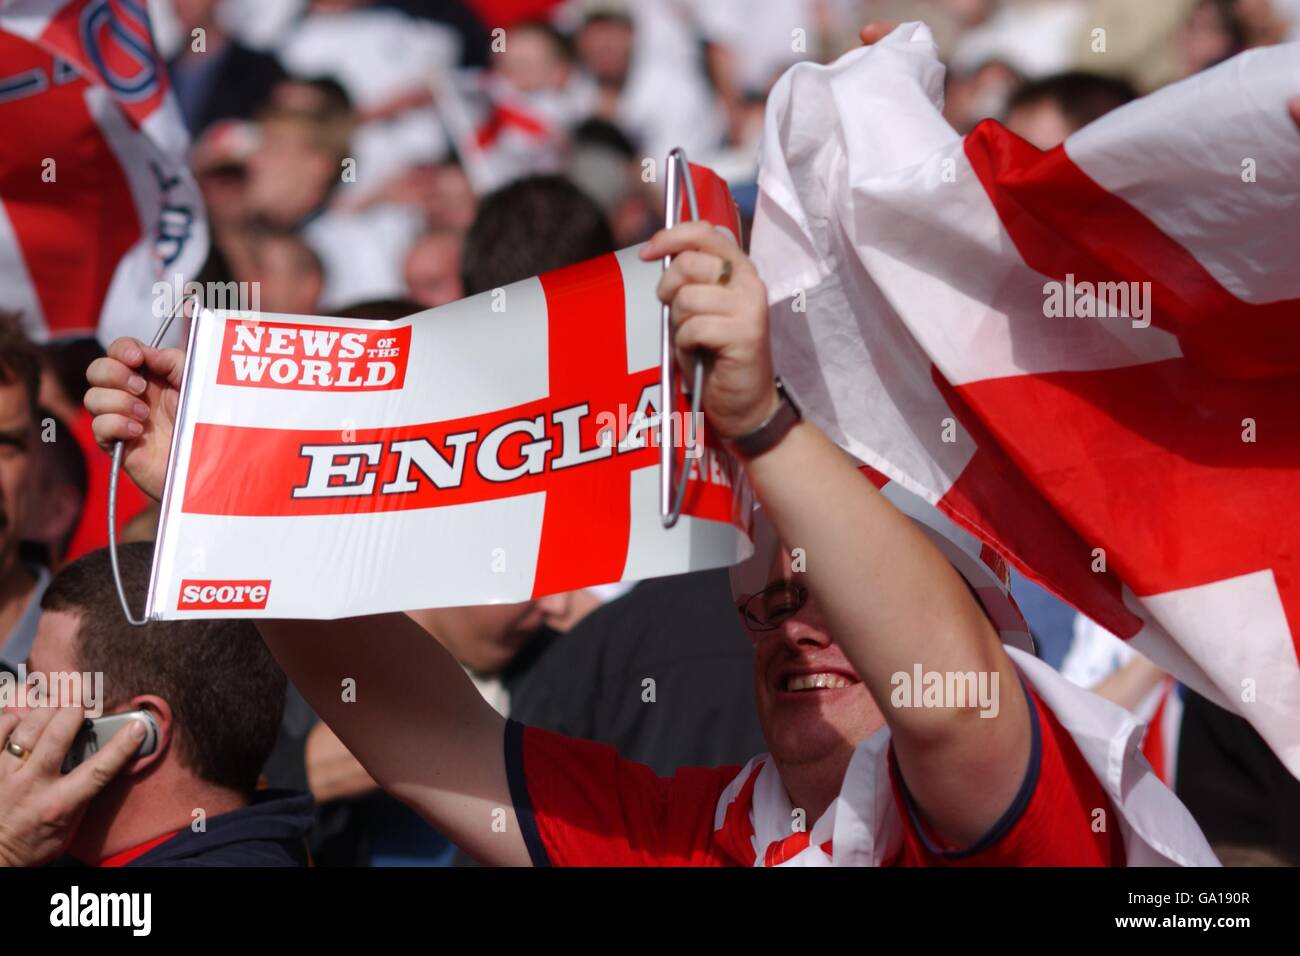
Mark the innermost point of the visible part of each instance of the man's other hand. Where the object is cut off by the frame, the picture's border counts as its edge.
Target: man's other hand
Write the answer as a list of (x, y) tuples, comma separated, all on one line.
[(134, 394)]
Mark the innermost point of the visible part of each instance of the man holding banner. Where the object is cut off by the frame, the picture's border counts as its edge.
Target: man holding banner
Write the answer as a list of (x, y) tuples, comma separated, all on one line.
[(886, 684), (901, 729)]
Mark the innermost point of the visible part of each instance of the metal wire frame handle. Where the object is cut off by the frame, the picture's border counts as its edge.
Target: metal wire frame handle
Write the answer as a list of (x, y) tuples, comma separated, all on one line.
[(670, 503), (119, 450)]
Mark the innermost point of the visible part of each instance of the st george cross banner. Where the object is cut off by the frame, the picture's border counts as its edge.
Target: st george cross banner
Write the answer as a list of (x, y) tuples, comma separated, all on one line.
[(1089, 357), (495, 449), (97, 205)]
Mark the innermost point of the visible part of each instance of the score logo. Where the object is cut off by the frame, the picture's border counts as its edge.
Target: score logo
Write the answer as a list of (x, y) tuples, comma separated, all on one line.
[(261, 354), (223, 595)]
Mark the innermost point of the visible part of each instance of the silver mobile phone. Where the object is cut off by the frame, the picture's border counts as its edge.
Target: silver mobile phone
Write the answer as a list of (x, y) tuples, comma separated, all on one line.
[(96, 732)]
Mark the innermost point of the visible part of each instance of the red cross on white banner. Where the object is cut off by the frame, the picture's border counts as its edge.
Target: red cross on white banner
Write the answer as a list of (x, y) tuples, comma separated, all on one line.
[(249, 471)]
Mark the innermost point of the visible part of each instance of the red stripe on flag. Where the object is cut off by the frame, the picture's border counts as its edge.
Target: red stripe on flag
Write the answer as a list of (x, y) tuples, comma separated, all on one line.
[(1061, 222), (714, 199), (1147, 462), (246, 471), (503, 116), (1151, 466), (588, 510), (238, 470), (995, 500)]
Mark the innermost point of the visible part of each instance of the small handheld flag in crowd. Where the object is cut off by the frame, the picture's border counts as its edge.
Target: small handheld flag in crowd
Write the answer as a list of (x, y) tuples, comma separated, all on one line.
[(497, 448)]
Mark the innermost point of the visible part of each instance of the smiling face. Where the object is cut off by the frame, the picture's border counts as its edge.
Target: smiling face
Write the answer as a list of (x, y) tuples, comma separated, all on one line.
[(812, 707)]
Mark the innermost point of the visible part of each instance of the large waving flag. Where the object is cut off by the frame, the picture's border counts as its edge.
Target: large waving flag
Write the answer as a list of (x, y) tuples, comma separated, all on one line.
[(96, 203), (1089, 357)]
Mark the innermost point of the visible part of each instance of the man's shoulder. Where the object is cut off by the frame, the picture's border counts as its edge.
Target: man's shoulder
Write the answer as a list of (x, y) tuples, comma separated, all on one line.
[(581, 803), (270, 831)]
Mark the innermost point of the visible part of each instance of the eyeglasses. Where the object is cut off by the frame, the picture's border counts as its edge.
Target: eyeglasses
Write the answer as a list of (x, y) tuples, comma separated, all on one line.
[(766, 610)]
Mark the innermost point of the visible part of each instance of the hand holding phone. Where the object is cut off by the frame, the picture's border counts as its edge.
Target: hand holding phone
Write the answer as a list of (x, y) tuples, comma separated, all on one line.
[(96, 731), (41, 805)]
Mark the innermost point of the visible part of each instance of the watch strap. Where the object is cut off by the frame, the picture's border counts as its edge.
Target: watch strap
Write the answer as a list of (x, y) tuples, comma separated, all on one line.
[(766, 435)]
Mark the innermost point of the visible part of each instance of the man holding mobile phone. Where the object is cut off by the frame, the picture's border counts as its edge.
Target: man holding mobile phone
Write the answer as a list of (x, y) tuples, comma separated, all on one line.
[(168, 775), (40, 806)]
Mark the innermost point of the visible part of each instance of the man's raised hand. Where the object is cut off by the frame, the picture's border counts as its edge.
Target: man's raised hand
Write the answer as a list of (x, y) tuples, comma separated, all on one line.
[(134, 394), (718, 306)]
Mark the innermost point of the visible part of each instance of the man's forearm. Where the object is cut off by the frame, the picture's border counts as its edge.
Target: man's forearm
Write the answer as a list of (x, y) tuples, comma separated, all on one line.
[(892, 602), (403, 706), (889, 596)]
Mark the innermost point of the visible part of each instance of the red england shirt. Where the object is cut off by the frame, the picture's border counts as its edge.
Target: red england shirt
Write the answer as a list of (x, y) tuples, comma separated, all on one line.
[(580, 804)]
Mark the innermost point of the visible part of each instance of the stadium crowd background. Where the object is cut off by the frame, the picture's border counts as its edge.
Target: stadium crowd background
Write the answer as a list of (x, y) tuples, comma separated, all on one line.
[(377, 158)]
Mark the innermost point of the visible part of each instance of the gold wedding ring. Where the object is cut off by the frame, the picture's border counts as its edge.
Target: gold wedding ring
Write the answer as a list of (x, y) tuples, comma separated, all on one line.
[(17, 749), (725, 275)]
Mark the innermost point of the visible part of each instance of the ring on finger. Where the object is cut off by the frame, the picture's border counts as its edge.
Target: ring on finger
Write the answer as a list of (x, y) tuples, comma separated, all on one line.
[(16, 749), (724, 276)]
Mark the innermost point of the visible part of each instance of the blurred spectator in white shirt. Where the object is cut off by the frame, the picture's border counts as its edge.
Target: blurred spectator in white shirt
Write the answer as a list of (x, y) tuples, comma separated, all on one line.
[(521, 111), (385, 61), (646, 56), (1034, 37)]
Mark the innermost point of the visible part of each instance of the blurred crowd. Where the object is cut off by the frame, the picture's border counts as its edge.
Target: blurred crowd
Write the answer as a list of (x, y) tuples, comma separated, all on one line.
[(343, 146), (379, 157)]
